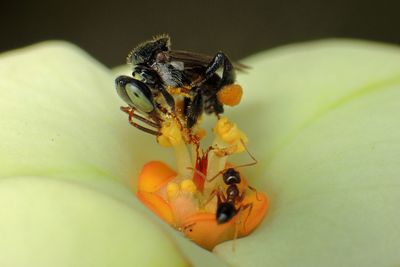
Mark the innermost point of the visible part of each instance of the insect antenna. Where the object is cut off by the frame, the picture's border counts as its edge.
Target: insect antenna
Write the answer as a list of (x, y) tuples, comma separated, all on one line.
[(197, 171), (254, 162)]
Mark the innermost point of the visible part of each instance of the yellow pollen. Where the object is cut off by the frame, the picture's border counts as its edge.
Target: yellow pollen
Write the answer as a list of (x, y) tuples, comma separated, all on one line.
[(171, 134), (230, 95), (201, 133), (230, 134), (172, 190), (182, 91), (187, 185)]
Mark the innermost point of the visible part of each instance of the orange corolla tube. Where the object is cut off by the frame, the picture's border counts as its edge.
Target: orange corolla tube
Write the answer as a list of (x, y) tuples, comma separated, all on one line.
[(193, 212), (204, 230)]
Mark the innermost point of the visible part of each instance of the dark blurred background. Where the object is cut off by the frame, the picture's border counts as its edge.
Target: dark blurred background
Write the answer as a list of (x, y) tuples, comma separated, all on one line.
[(108, 30)]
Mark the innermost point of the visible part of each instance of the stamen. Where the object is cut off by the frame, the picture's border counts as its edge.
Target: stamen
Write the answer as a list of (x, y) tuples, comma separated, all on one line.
[(215, 164), (229, 133), (171, 134), (172, 190), (183, 162), (228, 140), (188, 186)]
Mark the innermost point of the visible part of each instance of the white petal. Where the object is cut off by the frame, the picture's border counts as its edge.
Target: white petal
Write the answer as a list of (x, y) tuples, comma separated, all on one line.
[(323, 120), (60, 114), (47, 222), (60, 118)]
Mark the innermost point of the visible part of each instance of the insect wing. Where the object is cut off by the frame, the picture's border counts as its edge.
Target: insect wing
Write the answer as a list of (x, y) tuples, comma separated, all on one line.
[(195, 60)]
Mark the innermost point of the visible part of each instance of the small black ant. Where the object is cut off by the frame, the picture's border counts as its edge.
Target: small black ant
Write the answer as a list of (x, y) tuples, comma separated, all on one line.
[(226, 203)]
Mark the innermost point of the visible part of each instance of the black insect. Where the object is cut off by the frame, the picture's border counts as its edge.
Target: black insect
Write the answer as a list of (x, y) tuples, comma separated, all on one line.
[(230, 203), (226, 205), (156, 68)]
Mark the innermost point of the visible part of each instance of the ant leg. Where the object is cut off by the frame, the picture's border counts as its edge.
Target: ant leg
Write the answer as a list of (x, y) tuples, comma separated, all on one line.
[(215, 176), (242, 209), (250, 207), (220, 197), (235, 235), (255, 191), (228, 73), (197, 171), (251, 156), (237, 223)]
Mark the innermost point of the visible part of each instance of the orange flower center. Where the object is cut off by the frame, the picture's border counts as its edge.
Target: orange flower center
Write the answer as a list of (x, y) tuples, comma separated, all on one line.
[(208, 200)]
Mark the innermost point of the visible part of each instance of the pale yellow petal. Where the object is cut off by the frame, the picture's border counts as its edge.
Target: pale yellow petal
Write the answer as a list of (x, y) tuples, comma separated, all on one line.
[(60, 114), (61, 119), (323, 120), (47, 222)]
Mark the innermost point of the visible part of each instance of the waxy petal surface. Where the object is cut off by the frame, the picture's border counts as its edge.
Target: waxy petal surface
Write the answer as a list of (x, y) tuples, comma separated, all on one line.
[(324, 118), (48, 222)]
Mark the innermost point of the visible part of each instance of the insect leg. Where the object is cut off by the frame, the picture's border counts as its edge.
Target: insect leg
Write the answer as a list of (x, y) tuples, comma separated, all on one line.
[(168, 98), (209, 91), (234, 238), (238, 222), (255, 191), (131, 113), (144, 129), (220, 196), (193, 108), (228, 74), (244, 207)]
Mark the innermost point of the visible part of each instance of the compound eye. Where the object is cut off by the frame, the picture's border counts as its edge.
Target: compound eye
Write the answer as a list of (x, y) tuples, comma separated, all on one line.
[(139, 97), (135, 93)]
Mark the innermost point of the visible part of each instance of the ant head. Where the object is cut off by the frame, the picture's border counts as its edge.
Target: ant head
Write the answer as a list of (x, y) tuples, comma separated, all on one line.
[(231, 176)]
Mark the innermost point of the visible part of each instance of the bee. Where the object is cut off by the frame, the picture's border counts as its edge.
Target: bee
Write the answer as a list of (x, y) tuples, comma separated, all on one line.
[(157, 68)]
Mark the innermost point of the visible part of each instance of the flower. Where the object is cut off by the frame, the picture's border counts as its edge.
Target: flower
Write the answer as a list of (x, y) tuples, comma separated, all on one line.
[(322, 119), (193, 200)]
